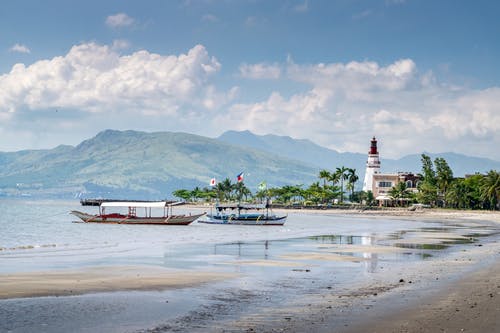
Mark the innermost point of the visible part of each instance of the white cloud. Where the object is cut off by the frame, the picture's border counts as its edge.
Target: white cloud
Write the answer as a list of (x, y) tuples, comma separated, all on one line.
[(119, 20), (338, 105), (20, 48), (362, 15), (210, 18), (96, 78), (348, 103), (120, 44), (260, 71), (301, 7)]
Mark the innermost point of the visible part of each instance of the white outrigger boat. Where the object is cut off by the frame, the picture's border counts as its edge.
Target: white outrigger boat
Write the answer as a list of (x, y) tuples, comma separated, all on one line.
[(239, 214), (133, 218)]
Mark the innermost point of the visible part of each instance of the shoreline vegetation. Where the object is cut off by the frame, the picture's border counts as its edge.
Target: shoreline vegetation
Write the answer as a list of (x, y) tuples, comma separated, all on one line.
[(389, 212), (434, 187)]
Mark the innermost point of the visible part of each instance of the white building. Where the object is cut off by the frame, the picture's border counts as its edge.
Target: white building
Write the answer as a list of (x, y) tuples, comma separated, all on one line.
[(372, 166)]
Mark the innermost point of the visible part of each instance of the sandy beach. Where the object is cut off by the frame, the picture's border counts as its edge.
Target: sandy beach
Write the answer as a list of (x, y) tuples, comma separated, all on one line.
[(459, 292), (100, 279), (467, 302)]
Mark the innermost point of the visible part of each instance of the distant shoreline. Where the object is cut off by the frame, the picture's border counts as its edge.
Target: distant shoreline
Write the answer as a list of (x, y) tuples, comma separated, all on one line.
[(400, 212)]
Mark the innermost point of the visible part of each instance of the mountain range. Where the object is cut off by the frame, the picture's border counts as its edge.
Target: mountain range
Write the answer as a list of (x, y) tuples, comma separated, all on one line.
[(139, 165), (324, 158)]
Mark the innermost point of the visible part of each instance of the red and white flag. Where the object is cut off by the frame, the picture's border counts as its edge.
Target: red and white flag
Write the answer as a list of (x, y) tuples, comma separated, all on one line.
[(239, 177), (213, 182)]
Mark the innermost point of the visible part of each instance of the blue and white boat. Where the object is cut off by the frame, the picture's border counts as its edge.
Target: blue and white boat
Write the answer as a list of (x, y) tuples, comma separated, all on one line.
[(244, 214)]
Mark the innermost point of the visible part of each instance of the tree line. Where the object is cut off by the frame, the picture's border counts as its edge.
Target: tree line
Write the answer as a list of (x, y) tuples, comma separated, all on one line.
[(437, 188)]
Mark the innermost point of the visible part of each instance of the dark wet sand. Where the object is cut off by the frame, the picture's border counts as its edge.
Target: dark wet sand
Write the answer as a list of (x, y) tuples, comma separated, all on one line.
[(471, 304)]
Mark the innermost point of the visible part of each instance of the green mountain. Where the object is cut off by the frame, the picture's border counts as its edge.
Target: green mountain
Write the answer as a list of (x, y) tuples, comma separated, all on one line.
[(131, 165)]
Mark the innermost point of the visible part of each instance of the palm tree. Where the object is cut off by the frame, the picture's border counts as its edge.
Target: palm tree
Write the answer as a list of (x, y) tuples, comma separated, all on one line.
[(325, 175), (352, 178), (400, 192), (224, 189), (342, 175), (490, 188), (241, 190), (458, 193)]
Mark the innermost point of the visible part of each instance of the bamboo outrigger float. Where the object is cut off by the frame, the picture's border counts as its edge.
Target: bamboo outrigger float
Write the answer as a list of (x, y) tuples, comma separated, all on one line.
[(133, 218)]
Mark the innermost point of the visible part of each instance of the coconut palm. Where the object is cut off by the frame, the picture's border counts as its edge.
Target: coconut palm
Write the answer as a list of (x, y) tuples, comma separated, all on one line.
[(401, 193), (325, 175), (342, 175), (352, 178), (224, 189), (490, 189)]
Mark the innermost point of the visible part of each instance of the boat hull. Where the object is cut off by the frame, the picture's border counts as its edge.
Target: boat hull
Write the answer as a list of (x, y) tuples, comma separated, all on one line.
[(250, 219), (124, 219)]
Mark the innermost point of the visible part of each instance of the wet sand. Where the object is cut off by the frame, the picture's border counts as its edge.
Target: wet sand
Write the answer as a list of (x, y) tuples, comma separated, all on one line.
[(471, 304), (466, 300), (101, 279)]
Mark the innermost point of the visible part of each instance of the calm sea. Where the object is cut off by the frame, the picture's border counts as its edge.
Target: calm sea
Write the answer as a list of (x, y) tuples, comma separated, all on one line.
[(42, 235)]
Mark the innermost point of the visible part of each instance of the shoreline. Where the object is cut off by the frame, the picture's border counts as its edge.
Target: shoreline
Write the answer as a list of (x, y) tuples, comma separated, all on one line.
[(466, 296), (423, 213)]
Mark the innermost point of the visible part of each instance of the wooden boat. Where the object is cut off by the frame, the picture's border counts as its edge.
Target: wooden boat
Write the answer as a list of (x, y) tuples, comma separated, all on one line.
[(133, 218), (244, 214)]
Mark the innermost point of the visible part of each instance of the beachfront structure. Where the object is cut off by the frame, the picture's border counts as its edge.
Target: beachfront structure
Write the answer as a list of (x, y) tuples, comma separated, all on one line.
[(384, 182), (372, 166)]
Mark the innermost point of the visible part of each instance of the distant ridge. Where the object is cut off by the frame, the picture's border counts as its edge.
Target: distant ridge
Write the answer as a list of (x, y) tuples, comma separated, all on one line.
[(138, 165), (132, 164), (324, 158), (302, 150)]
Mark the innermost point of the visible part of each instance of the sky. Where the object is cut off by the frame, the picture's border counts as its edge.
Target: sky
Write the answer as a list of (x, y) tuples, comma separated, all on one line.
[(420, 75)]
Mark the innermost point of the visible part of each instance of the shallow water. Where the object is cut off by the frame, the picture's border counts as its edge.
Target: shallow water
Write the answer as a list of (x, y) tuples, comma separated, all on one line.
[(310, 255)]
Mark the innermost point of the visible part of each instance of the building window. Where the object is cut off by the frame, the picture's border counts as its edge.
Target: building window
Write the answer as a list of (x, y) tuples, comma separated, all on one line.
[(385, 184), (409, 184)]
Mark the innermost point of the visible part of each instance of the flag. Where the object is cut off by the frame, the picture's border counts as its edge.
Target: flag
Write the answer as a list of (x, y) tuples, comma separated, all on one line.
[(239, 177), (213, 182), (262, 186)]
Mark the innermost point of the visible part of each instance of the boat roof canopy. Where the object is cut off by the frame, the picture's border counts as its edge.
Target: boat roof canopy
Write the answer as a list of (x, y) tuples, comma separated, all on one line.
[(240, 206), (146, 204)]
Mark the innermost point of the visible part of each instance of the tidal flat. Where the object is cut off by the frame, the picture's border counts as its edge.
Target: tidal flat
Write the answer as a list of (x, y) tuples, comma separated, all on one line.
[(320, 272)]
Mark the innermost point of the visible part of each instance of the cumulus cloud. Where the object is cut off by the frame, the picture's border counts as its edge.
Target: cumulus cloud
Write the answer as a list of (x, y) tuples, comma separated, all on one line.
[(95, 78), (260, 71), (338, 105), (119, 20), (20, 48), (347, 103)]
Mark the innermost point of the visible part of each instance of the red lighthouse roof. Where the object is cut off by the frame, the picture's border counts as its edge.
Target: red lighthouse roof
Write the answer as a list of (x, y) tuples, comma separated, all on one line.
[(373, 147)]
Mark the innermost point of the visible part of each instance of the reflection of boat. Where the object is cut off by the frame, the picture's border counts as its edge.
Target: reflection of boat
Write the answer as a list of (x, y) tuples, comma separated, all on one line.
[(246, 214), (132, 217)]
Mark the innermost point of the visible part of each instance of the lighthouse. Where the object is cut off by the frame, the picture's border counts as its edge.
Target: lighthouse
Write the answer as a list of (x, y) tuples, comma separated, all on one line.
[(372, 166)]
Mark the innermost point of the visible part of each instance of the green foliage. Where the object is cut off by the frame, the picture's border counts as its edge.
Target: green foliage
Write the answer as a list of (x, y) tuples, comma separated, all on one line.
[(490, 189), (401, 194)]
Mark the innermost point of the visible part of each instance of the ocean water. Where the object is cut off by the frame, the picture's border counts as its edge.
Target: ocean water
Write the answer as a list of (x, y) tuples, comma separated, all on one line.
[(43, 236)]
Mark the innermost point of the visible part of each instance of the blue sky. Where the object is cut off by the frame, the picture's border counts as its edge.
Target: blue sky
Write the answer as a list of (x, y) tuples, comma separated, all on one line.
[(420, 75)]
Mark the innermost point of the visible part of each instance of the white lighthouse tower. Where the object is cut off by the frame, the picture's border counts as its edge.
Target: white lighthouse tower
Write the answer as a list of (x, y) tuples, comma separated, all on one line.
[(372, 166)]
